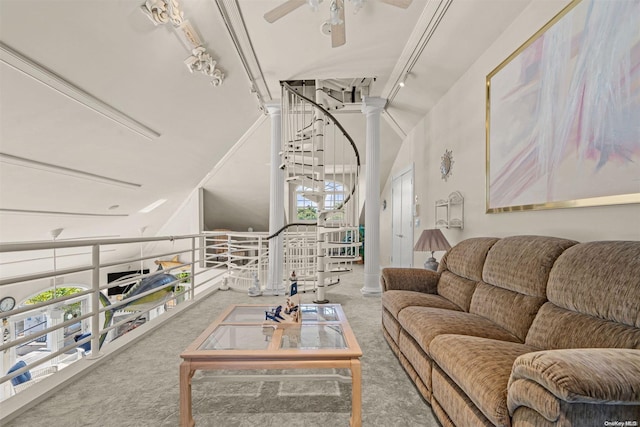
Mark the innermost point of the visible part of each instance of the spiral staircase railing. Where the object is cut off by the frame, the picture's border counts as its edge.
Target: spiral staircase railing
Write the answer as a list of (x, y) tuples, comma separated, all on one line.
[(322, 166)]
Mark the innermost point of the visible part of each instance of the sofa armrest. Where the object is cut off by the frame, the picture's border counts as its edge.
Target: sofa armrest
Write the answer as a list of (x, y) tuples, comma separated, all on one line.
[(548, 380), (410, 279)]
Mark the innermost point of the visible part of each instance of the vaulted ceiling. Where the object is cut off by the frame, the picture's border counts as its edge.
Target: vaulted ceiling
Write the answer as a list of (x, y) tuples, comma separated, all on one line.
[(100, 117)]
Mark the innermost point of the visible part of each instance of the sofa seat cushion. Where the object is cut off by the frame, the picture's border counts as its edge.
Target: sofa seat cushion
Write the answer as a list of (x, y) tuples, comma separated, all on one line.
[(414, 356), (481, 368), (426, 323), (454, 404), (394, 301)]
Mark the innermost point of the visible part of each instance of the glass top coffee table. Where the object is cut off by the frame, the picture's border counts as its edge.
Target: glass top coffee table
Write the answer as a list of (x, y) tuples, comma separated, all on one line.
[(239, 339)]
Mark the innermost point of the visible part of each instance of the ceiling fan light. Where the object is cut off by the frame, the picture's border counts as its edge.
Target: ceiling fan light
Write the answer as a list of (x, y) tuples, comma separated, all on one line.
[(315, 4), (357, 5), (334, 14)]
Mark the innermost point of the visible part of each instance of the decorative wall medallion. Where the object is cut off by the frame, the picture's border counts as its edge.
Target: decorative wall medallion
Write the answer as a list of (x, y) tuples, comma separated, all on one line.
[(446, 164)]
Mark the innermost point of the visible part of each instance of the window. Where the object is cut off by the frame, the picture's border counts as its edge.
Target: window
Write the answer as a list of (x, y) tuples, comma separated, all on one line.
[(306, 199)]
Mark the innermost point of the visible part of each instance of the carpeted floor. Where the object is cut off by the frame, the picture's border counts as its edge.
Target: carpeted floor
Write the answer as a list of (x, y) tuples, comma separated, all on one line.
[(139, 387)]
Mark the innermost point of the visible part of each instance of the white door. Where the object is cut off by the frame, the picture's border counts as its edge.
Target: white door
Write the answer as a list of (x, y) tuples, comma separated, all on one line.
[(402, 220)]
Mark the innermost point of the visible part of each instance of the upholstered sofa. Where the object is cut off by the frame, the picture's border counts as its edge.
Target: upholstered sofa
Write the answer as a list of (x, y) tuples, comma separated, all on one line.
[(522, 331)]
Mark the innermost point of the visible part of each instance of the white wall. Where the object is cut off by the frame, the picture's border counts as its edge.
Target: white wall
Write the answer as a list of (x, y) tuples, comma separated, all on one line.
[(457, 123), (185, 221)]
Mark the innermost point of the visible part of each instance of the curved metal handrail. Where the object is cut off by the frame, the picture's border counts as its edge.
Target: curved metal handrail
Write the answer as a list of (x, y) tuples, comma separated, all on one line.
[(293, 224)]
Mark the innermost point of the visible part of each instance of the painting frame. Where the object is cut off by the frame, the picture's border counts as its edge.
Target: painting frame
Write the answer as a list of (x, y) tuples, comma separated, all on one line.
[(521, 178)]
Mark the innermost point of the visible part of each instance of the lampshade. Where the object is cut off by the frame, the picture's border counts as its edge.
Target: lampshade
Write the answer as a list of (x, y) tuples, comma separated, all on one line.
[(431, 241)]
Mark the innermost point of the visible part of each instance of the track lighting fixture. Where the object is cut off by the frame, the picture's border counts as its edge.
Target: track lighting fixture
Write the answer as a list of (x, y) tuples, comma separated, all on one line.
[(403, 80)]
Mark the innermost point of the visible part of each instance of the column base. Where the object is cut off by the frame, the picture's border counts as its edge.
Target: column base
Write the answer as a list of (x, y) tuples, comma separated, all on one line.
[(370, 293), (372, 285)]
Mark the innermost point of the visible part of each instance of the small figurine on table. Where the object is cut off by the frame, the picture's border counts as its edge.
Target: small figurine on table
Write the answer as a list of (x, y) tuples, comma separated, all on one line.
[(291, 307), (274, 314), (293, 302), (289, 315)]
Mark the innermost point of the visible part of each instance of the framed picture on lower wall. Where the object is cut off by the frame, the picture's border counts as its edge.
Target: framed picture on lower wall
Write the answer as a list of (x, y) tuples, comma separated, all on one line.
[(563, 113)]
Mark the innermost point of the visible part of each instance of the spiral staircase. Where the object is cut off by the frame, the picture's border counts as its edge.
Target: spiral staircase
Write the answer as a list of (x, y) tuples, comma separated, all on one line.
[(322, 165)]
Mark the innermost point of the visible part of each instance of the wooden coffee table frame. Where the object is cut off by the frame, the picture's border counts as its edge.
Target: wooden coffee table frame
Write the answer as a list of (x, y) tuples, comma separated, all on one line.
[(272, 357)]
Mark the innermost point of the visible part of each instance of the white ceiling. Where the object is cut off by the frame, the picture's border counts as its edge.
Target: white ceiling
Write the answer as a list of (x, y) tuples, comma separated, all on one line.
[(112, 51)]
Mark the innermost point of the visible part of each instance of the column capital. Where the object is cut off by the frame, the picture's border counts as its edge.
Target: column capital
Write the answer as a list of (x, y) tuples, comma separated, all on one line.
[(273, 107), (373, 104)]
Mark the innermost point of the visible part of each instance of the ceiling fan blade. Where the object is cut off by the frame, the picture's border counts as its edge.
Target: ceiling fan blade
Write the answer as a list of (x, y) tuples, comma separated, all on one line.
[(285, 8), (338, 31), (398, 3)]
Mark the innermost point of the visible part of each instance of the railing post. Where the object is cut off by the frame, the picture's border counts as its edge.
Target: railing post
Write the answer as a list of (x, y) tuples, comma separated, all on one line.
[(193, 269), (95, 302), (229, 254), (55, 316), (320, 266), (259, 262)]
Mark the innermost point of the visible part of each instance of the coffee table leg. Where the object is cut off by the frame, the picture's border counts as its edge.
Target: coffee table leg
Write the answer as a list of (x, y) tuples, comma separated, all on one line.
[(356, 393), (186, 418)]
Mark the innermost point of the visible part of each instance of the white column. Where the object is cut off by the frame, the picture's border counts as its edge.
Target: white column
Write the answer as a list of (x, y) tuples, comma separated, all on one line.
[(372, 107), (274, 284)]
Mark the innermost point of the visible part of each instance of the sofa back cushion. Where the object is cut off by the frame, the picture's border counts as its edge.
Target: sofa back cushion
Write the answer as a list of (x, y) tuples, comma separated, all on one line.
[(523, 263), (461, 270), (514, 280), (557, 328), (594, 294)]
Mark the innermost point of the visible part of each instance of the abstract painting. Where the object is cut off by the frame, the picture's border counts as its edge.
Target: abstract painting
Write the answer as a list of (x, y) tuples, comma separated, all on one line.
[(563, 113)]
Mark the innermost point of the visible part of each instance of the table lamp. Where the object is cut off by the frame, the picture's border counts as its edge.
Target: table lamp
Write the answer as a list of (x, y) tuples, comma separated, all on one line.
[(431, 241)]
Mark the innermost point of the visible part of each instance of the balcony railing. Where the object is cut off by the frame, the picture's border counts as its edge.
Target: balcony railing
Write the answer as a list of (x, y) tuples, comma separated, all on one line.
[(66, 335), (246, 257)]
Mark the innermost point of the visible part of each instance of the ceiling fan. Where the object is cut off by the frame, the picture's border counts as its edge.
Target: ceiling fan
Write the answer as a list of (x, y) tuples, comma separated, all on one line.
[(335, 25)]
